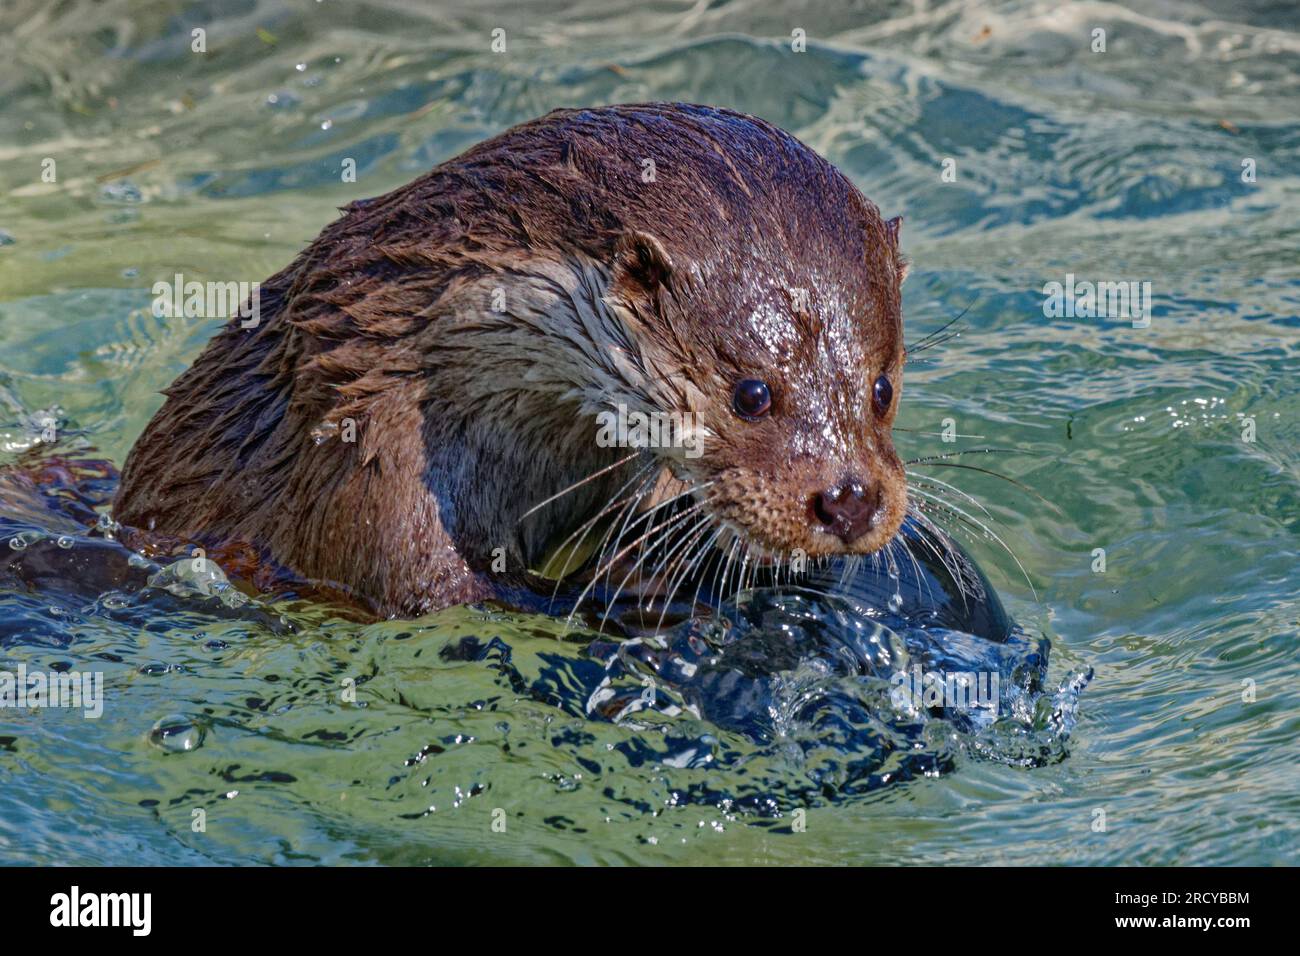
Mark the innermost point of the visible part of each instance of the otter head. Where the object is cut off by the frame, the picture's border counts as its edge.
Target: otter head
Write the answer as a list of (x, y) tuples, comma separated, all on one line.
[(675, 262), (781, 352)]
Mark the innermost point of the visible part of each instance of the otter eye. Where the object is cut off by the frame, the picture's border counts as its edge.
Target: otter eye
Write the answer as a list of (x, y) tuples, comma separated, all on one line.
[(752, 400), (882, 396)]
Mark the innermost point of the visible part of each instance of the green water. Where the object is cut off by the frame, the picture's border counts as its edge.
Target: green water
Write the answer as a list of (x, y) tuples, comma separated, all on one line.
[(1122, 165)]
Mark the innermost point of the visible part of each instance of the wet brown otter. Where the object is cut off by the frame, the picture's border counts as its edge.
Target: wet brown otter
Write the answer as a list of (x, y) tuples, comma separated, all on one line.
[(470, 326)]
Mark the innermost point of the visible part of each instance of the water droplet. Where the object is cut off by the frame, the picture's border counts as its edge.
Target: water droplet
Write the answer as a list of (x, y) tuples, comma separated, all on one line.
[(24, 538), (324, 431), (65, 542), (176, 733)]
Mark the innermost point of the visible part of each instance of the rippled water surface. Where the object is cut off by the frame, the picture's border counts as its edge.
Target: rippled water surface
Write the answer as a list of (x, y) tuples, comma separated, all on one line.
[(1118, 165)]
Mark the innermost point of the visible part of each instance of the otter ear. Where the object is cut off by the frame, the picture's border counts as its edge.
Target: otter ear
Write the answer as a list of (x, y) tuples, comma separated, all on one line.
[(641, 260), (893, 229)]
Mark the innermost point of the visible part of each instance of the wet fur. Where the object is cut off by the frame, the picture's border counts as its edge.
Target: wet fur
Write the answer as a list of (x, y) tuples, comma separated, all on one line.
[(659, 295)]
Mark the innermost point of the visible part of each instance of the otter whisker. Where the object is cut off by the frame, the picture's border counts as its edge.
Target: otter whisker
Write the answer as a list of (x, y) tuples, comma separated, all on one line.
[(675, 583), (650, 545), (630, 515), (922, 537), (988, 531), (932, 342), (934, 538), (728, 580), (890, 564), (901, 541), (744, 561), (607, 566), (917, 431), (970, 451), (705, 553), (985, 471), (935, 484), (578, 484), (741, 582), (647, 515), (666, 560), (953, 488), (933, 339), (608, 556), (724, 567), (662, 528), (928, 498), (638, 565), (616, 504), (846, 570), (885, 554), (644, 478), (941, 536), (748, 566), (930, 534)]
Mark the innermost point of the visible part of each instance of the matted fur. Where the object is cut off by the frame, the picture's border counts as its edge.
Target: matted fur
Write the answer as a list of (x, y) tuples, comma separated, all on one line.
[(473, 322)]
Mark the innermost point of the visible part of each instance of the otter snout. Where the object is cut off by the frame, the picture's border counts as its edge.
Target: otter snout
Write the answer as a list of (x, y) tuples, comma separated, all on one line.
[(848, 510)]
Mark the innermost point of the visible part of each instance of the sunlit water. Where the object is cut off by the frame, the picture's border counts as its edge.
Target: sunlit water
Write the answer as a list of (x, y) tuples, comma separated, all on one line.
[(700, 746)]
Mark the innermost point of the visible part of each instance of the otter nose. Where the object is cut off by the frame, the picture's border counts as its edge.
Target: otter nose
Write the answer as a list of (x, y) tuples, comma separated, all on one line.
[(848, 509)]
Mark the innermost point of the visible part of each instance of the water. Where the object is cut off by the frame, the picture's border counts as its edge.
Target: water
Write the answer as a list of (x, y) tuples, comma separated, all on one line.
[(304, 737)]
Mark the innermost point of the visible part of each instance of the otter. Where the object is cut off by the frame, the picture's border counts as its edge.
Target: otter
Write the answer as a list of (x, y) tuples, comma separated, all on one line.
[(418, 404)]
